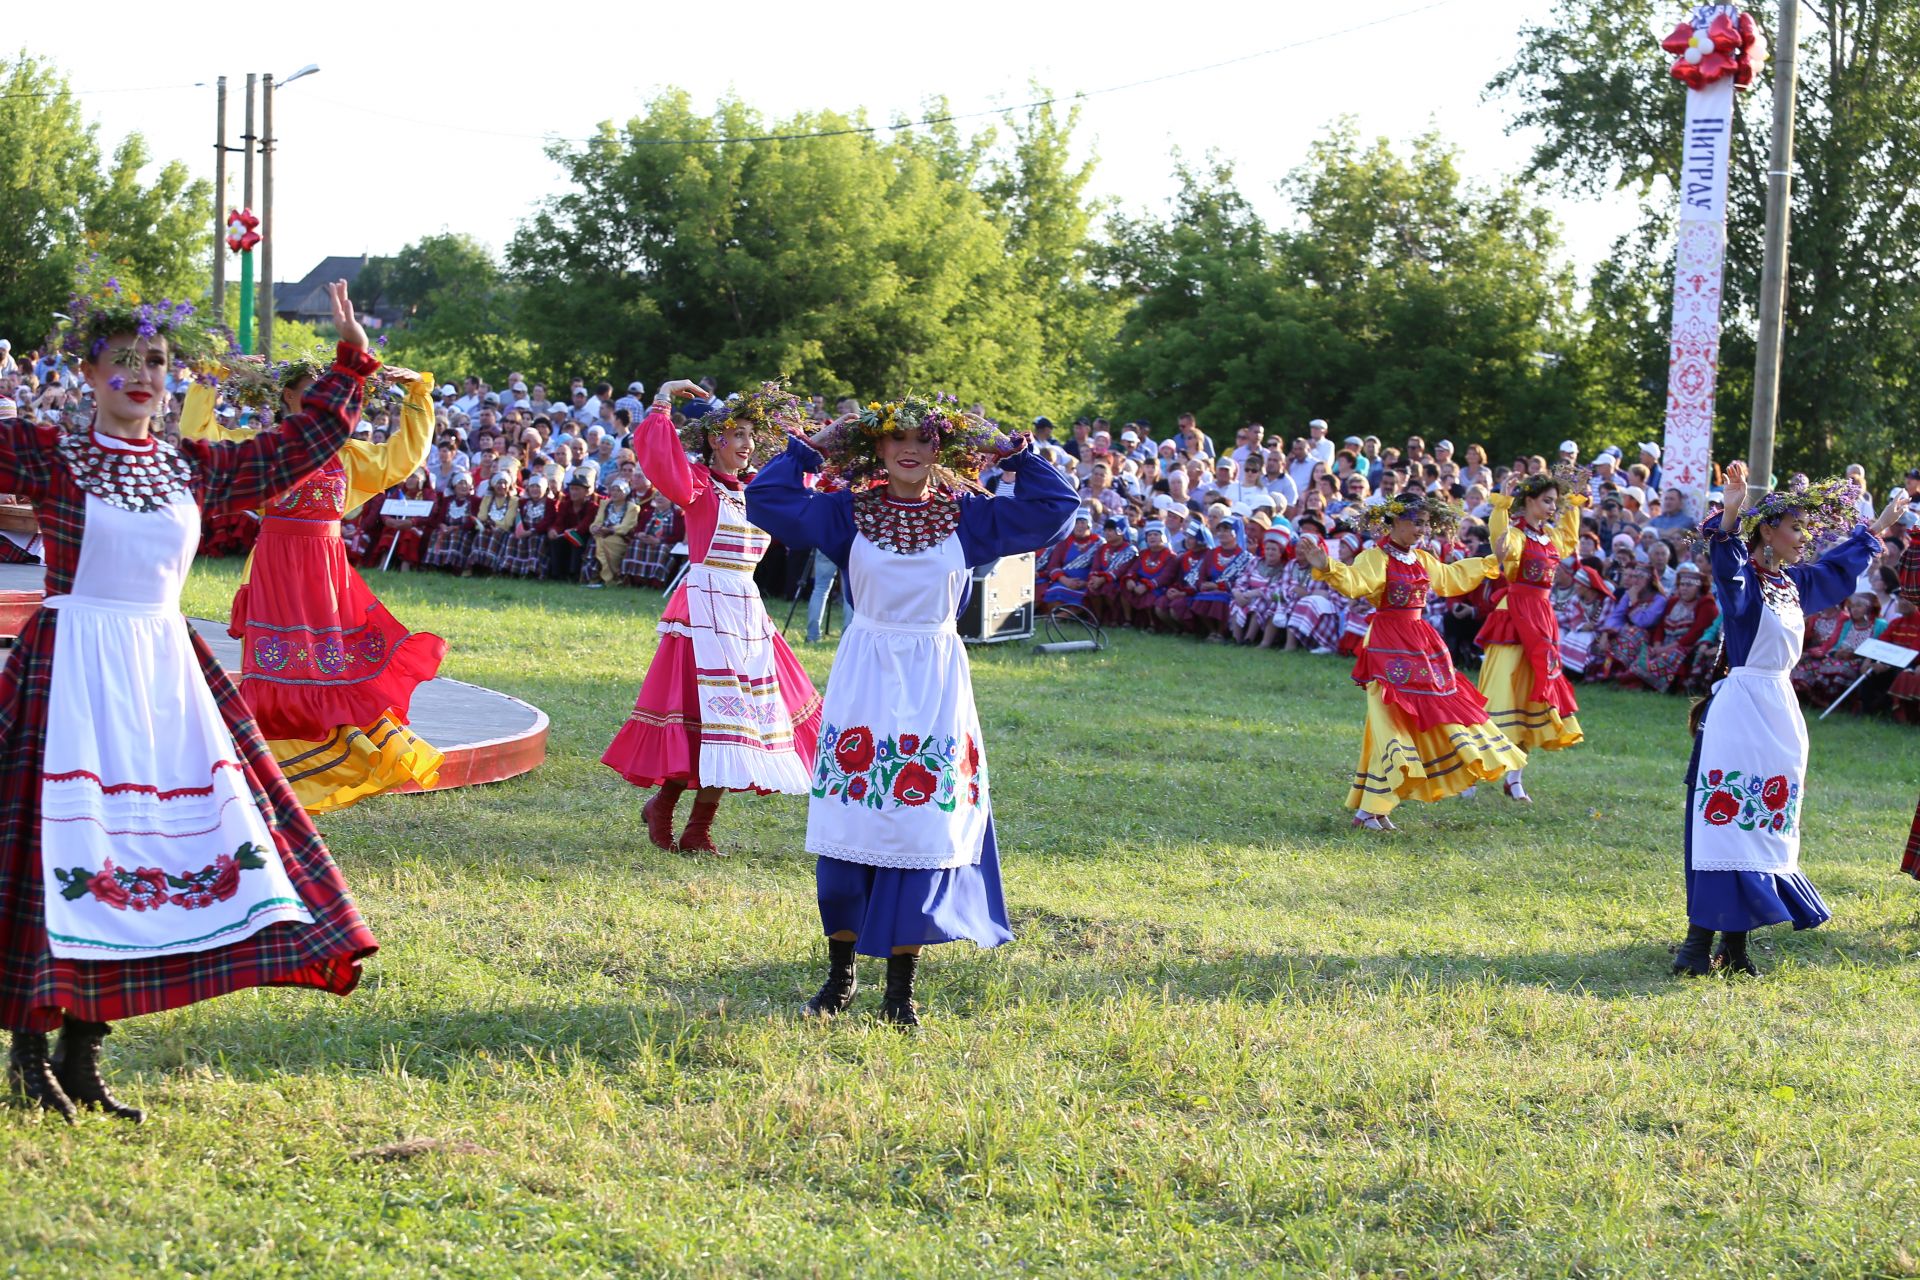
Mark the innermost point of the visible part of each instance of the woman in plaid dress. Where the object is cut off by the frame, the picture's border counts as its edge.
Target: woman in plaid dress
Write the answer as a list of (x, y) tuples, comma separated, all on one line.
[(526, 553), (151, 854), (649, 558), (458, 521), (497, 514)]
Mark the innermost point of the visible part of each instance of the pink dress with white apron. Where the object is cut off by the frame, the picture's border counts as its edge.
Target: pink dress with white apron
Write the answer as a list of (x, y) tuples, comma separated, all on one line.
[(724, 702)]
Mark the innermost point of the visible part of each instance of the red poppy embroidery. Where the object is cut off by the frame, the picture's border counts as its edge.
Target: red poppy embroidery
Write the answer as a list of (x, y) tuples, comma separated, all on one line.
[(1773, 793), (1733, 797), (914, 784), (908, 770), (853, 752)]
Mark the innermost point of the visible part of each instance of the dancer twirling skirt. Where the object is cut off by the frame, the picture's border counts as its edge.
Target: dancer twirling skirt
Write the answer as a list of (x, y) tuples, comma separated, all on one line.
[(900, 816), (1528, 696), (327, 671), (1427, 735), (725, 706), (151, 855), (1747, 776)]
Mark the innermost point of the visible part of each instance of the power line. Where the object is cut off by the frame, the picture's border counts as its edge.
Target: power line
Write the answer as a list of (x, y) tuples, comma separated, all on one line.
[(948, 118), (92, 93)]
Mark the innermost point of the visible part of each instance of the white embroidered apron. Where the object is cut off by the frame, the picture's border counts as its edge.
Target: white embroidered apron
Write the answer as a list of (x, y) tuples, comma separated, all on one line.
[(1753, 758), (746, 735), (151, 842), (901, 776)]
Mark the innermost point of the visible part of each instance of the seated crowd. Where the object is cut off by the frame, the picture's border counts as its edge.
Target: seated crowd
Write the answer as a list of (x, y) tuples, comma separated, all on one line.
[(1175, 535)]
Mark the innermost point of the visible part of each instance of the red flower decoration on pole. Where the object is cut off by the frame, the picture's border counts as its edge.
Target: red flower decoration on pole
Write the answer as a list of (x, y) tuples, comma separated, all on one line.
[(1727, 44), (242, 230)]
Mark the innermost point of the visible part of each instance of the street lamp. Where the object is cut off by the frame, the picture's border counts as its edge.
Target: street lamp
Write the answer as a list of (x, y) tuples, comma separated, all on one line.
[(266, 202)]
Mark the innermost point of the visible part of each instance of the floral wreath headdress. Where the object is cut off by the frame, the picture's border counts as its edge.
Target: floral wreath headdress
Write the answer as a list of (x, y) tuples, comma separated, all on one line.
[(1564, 478), (962, 439), (770, 410), (1377, 520), (254, 382), (1829, 507), (99, 312)]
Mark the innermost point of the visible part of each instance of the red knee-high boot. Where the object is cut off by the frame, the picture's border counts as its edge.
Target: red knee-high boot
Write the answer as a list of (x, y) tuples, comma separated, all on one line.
[(659, 814), (698, 837)]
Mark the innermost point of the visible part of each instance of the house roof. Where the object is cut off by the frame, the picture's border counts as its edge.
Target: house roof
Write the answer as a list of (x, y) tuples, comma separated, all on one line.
[(308, 295)]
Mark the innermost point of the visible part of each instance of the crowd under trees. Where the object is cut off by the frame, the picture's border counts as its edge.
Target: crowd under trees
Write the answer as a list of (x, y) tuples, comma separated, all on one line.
[(1389, 295)]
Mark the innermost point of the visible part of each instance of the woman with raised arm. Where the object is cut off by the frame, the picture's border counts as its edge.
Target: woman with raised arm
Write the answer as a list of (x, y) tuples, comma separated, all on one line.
[(900, 819), (1528, 696), (725, 705), (1746, 778), (151, 854), (327, 671), (1427, 735)]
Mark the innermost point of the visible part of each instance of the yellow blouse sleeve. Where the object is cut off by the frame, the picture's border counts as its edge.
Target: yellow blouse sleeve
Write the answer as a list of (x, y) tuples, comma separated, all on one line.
[(1364, 579), (375, 468), (1498, 527), (1461, 576), (197, 421), (1566, 534)]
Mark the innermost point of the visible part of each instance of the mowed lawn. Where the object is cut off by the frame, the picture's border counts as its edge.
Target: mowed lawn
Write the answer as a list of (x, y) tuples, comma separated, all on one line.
[(1233, 1037)]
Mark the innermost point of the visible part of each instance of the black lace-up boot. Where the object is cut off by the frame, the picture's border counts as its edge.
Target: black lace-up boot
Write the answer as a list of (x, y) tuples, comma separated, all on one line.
[(1692, 960), (1731, 957), (897, 1006), (31, 1073), (836, 993), (76, 1064)]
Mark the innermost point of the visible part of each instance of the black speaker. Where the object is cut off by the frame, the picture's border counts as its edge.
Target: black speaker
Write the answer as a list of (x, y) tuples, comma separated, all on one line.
[(1001, 606)]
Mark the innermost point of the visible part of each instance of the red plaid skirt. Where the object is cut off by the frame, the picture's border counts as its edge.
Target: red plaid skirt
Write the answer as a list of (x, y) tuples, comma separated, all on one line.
[(1911, 863), (36, 987)]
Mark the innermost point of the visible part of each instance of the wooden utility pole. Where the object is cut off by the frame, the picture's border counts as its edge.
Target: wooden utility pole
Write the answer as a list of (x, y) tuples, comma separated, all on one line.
[(220, 200), (1773, 271), (266, 217)]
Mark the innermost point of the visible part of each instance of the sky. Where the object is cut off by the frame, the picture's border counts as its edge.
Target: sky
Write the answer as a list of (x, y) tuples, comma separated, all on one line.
[(432, 116)]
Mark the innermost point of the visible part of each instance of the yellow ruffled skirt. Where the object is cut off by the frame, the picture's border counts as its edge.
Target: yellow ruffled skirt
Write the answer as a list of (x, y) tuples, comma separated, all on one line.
[(354, 763), (1506, 682), (1399, 762)]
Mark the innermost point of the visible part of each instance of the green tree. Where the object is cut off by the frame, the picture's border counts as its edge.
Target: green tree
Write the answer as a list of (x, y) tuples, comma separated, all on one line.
[(847, 264), (1455, 300), (1214, 324), (1037, 192), (1403, 301), (59, 206), (459, 313), (1611, 116)]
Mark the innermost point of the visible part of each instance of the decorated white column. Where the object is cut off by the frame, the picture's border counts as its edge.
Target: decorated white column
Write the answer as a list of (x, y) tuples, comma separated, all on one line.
[(1715, 53)]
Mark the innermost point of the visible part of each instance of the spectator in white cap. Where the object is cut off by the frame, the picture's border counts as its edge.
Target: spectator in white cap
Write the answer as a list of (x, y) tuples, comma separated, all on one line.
[(1603, 473), (1319, 447), (9, 367), (1569, 453), (1650, 459), (1443, 452)]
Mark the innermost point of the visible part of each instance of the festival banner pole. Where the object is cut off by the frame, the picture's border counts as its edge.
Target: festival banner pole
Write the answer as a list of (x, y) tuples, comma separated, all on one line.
[(1715, 53)]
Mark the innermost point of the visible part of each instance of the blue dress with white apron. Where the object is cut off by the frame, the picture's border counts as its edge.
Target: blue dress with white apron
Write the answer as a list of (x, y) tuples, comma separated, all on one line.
[(900, 816), (1746, 782)]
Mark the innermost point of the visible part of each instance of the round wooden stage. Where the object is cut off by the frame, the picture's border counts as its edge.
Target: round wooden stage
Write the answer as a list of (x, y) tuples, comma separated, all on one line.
[(486, 736)]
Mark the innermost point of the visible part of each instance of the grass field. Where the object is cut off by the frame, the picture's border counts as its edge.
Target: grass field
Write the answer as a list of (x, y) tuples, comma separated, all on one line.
[(1234, 1036)]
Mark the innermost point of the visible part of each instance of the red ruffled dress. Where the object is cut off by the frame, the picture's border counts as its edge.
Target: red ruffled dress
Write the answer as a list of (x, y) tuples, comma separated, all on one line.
[(724, 703), (320, 650)]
